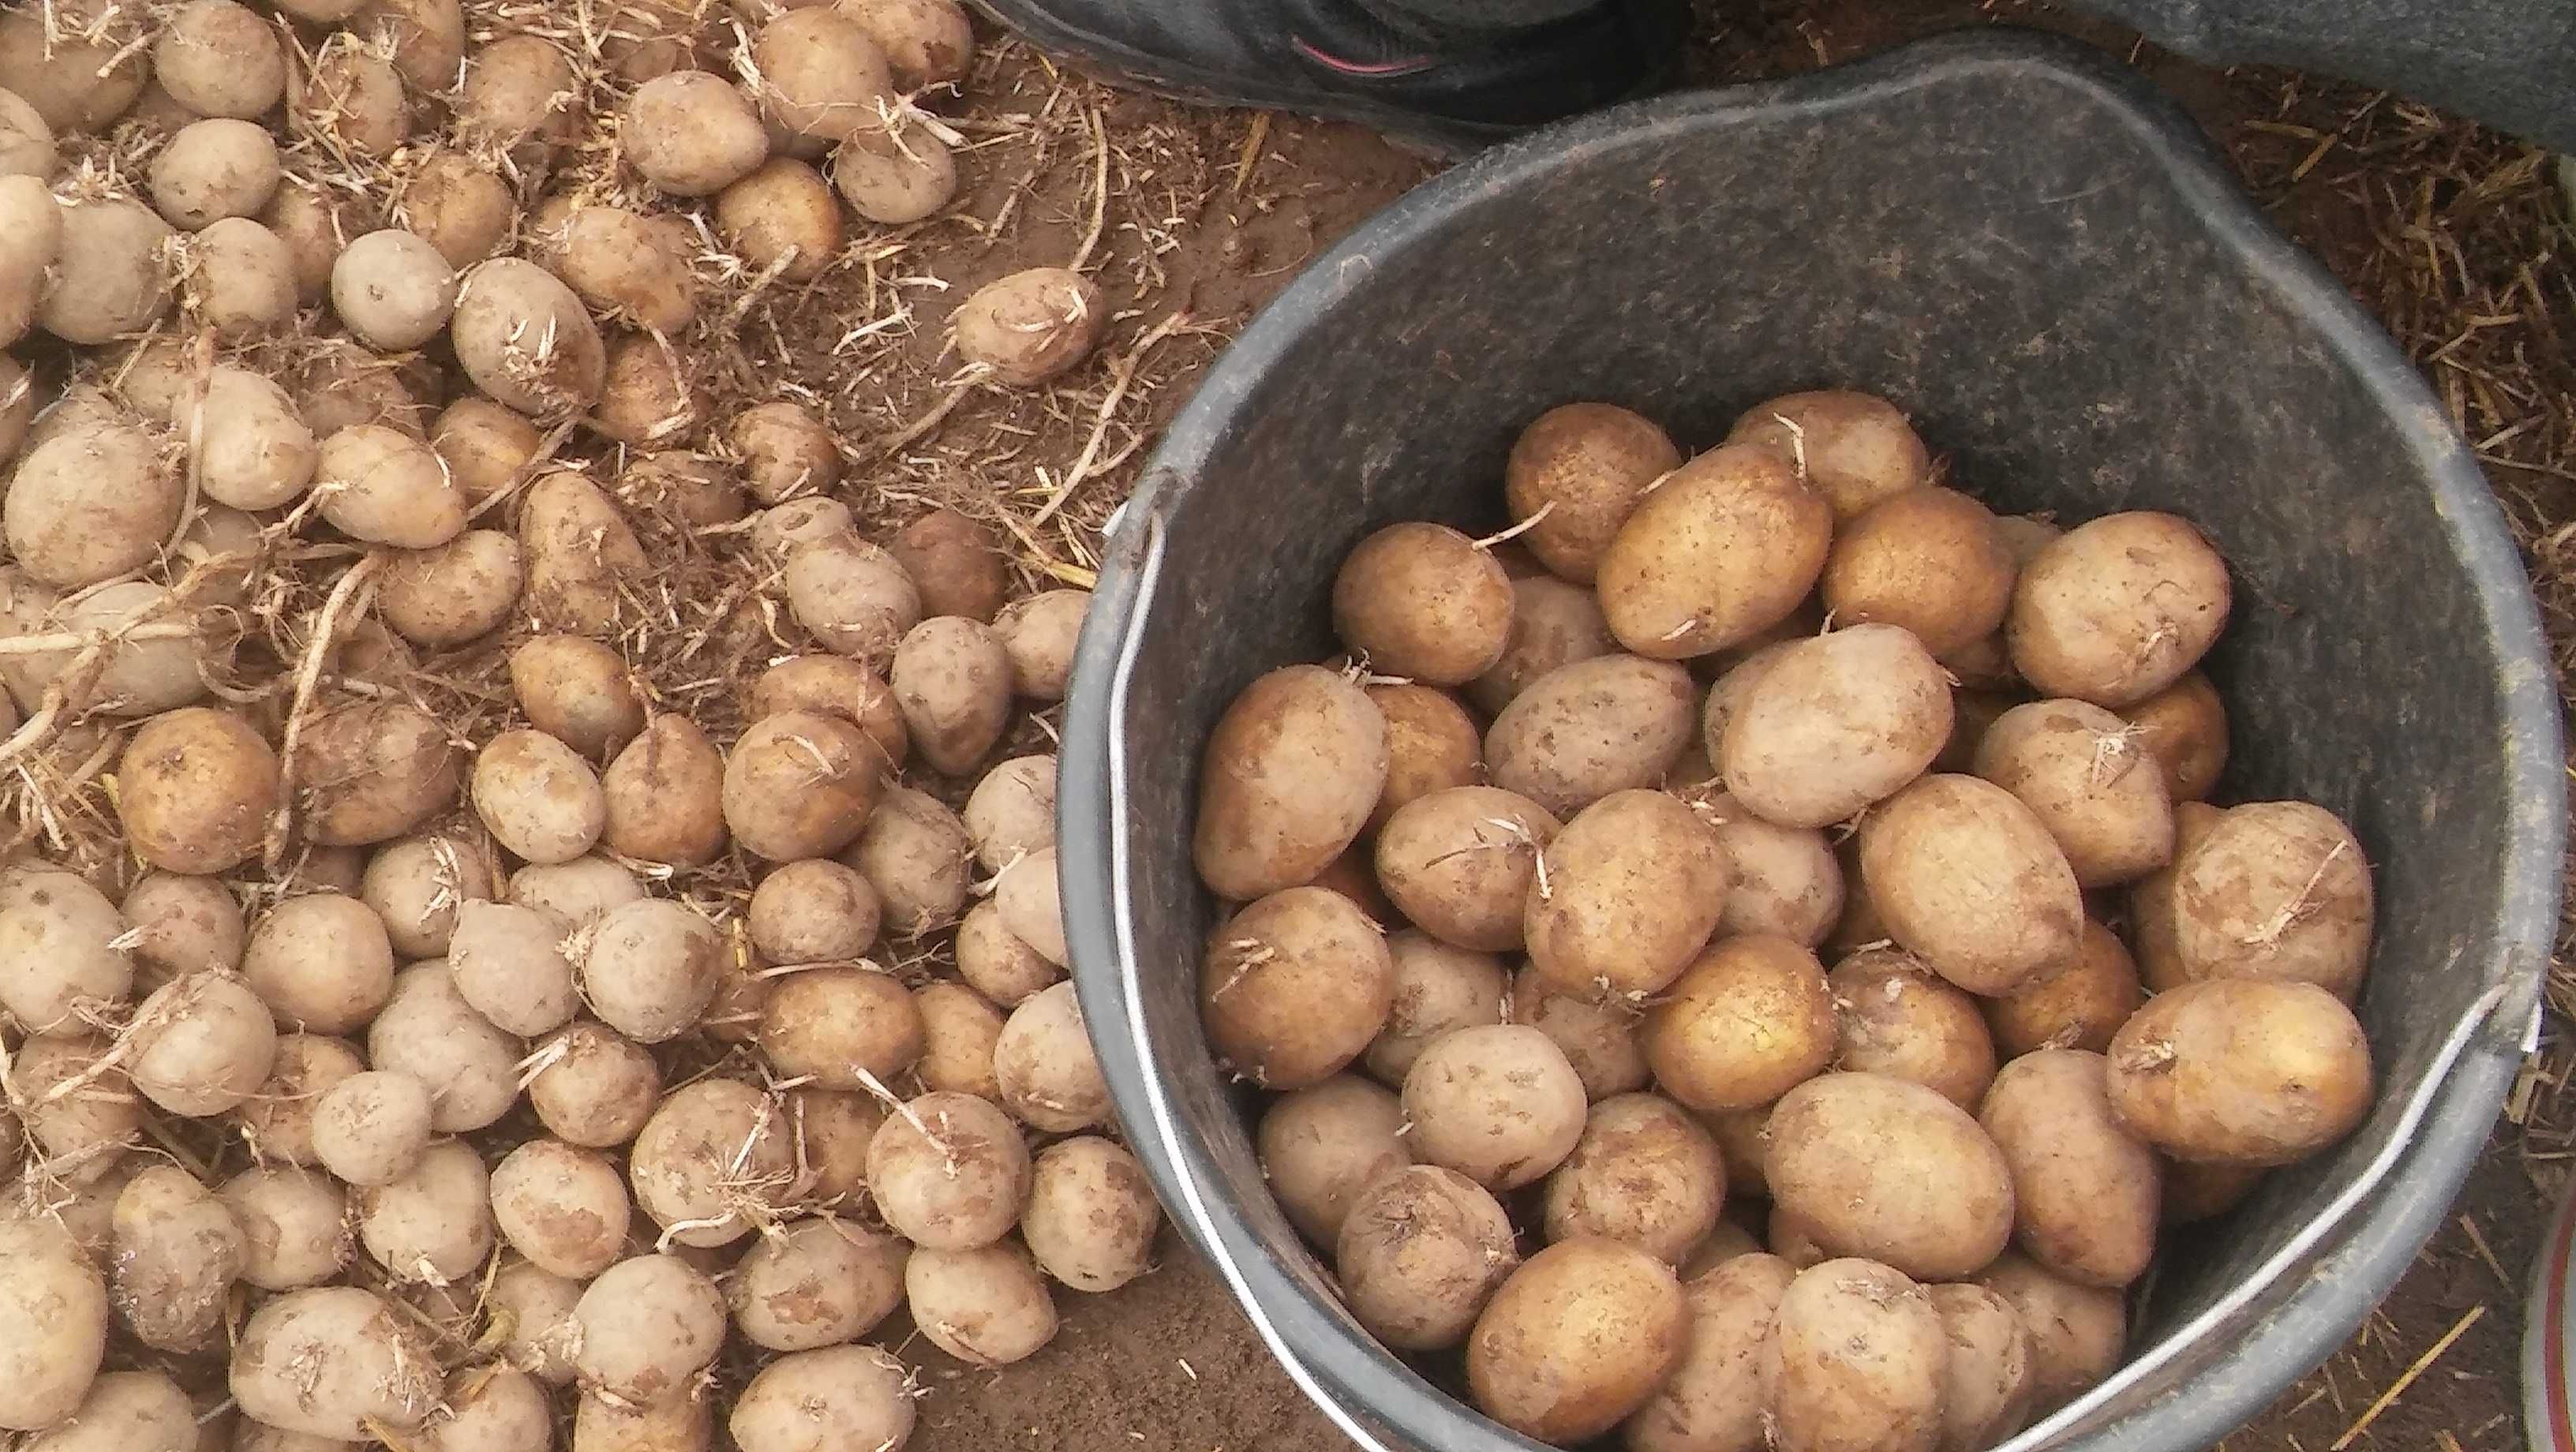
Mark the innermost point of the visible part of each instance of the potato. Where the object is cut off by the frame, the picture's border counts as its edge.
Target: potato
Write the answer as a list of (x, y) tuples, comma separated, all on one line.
[(370, 1129), (1498, 1103), (90, 503), (32, 231), (126, 1411), (1295, 986), (1432, 744), (432, 1223), (917, 856), (1990, 1379), (2085, 1192), (1970, 880), (996, 964), (1289, 777), (2118, 608), (1011, 812), (1599, 1040), (372, 770), (484, 446), (953, 681), (1726, 547), (531, 1320), (1321, 1146), (1043, 1064), (649, 968), (311, 220), (926, 42), (818, 1282), (1895, 1018), (1833, 724), (1854, 449), (1420, 1252), (201, 1045), (1091, 1214), (74, 79), (196, 790), (428, 1031), (1576, 1340), (819, 74), (508, 962), (141, 677), (813, 912), (1714, 1400), (1461, 864), (350, 102), (1785, 880), (2078, 1004), (648, 1326), (832, 1134), (525, 339), (1423, 601), (1644, 1173), (2077, 1333), (1587, 465), (463, 211), (393, 290), (113, 274), (177, 1251), (1026, 895), (1927, 559), (1437, 987), (1627, 894), (683, 488), (537, 797), (816, 1401), (712, 1162), (2183, 729), (2196, 1192), (519, 99), (276, 1121), (452, 593), (493, 1409), (2241, 1071), (1040, 633), (841, 1028), (801, 784), (323, 963), (2275, 890), (341, 384), (1859, 1358), (593, 1087), (254, 451), (949, 1172), (782, 215), (383, 486), (956, 563), (691, 134), (1888, 1169), (214, 169), (646, 399), (27, 143), (17, 405), (56, 1322), (1747, 1020), (626, 266), (240, 280), (81, 1131), (785, 453), (563, 1207), (2082, 771), (179, 923), (852, 596), (1554, 624), (1585, 730), (578, 691), (293, 1226), (1030, 327), (329, 1361)]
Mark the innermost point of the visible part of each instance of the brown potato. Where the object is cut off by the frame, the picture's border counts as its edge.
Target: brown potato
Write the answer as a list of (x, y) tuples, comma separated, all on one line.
[(578, 691), (800, 784), (201, 1044), (1851, 447), (322, 962), (665, 795), (1600, 1040), (452, 593), (1897, 1019), (1587, 465), (691, 134), (821, 76), (819, 1282), (82, 1132), (1420, 1252), (2241, 1071), (838, 1396), (785, 452), (1968, 879), (1289, 778), (985, 1305), (1577, 1339), (1498, 1103), (1032, 326), (956, 563), (217, 58), (714, 1160), (1553, 624), (1461, 864), (276, 1122), (959, 1030), (539, 1329), (483, 445), (113, 273), (310, 219), (294, 1226), (647, 1326), (1787, 881), (2081, 770), (1011, 812), (1859, 1359), (1322, 1145), (2199, 1191), (176, 1252), (646, 400), (1747, 1020), (949, 1172), (1928, 559), (953, 681), (842, 1028), (1432, 744), (351, 101), (2078, 1004), (1091, 1215), (592, 1086), (27, 142), (926, 42), (1724, 548), (1424, 602), (330, 1361), (195, 791), (1991, 1376), (525, 339), (89, 503), (649, 968), (1044, 1067), (627, 267), (2184, 729), (918, 857), (2118, 608), (2276, 890), (72, 80), (2077, 1333), (562, 1207), (1438, 987), (537, 797), (1627, 895), (1714, 1401), (852, 596), (1889, 1169), (180, 923), (1644, 1173), (1833, 724), (782, 215), (1295, 986), (520, 98), (213, 169), (1040, 633), (2085, 1192), (1585, 730), (463, 211)]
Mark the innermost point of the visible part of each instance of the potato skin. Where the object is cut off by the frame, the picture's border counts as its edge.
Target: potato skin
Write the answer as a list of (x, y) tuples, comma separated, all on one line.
[(1585, 730), (196, 790), (2085, 1191), (1888, 1169), (1725, 548), (2117, 608), (1858, 1362), (1576, 1340), (503, 303), (2155, 913), (1438, 987), (326, 1361), (1714, 1400), (1553, 624), (1835, 723), (1295, 987), (692, 134), (1421, 601), (1287, 781), (2241, 1071), (1432, 744), (1632, 888), (1744, 1023), (801, 784), (2184, 728), (1591, 462), (1971, 882), (2275, 890), (1420, 1252), (1031, 326), (2077, 1005)]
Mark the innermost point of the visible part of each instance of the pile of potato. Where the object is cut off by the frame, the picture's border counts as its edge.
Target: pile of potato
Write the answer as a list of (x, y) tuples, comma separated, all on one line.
[(1527, 895), (528, 929)]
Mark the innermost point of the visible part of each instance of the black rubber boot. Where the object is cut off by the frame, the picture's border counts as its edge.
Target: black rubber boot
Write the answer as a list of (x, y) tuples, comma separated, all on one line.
[(1342, 60)]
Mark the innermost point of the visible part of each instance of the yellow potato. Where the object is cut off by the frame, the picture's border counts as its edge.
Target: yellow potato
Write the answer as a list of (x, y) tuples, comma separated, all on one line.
[(1461, 864), (1888, 1169), (2275, 890), (1749, 1020), (1929, 560), (1723, 549), (1833, 724), (1424, 602), (1851, 447), (2241, 1071), (1577, 1339), (2184, 727), (1897, 1018), (2085, 1191), (2118, 608), (1586, 465), (1859, 1361), (1289, 777), (1590, 728), (1627, 895), (1295, 987), (2082, 771), (1970, 881)]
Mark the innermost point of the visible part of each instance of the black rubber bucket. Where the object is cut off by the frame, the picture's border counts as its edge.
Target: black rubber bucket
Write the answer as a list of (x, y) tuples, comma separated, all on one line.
[(2038, 258)]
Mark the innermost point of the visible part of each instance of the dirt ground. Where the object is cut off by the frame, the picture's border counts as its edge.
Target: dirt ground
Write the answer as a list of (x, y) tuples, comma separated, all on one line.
[(2449, 233)]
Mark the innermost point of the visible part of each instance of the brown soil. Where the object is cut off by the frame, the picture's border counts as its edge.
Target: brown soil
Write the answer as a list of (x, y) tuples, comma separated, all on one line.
[(2448, 231)]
